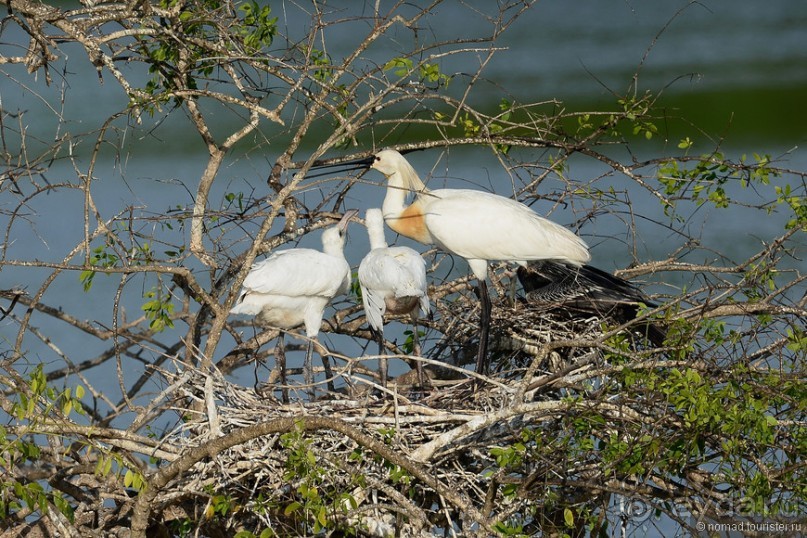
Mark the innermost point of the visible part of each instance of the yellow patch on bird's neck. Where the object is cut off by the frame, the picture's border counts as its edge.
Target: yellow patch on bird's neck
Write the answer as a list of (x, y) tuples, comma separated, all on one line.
[(411, 223)]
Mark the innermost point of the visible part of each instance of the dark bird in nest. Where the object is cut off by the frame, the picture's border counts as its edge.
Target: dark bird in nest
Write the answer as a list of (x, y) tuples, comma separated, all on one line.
[(584, 291)]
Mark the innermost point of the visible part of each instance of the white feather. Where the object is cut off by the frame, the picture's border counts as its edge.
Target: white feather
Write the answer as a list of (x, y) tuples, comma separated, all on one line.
[(391, 278), (477, 225), (292, 287), (485, 226)]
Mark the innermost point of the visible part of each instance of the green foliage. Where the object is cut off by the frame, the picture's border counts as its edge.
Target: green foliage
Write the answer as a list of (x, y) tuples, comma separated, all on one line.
[(797, 340), (509, 457), (158, 310), (724, 397), (636, 110), (427, 73), (738, 409), (471, 126), (259, 28), (498, 126), (797, 204), (759, 280), (401, 66), (219, 506), (431, 73), (355, 286), (508, 528), (40, 400), (234, 201), (141, 254), (324, 70), (726, 420), (31, 496), (314, 503), (99, 258), (266, 533), (181, 527), (133, 479), (34, 405), (408, 346), (708, 178), (178, 65)]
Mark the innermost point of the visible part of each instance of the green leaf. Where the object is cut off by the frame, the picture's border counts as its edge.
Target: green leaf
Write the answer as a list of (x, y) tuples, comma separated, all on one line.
[(568, 517), (292, 507), (402, 66), (128, 478), (685, 143)]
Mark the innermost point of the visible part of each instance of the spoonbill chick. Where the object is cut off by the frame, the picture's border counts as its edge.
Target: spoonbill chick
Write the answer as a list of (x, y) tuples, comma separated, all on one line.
[(392, 281), (292, 287)]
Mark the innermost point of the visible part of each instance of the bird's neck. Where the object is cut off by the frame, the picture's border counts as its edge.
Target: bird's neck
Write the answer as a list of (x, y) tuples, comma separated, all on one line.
[(406, 220), (337, 251), (377, 239), (400, 184)]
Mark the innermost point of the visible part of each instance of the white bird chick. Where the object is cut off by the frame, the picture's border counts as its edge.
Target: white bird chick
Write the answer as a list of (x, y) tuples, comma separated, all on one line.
[(392, 280), (292, 288)]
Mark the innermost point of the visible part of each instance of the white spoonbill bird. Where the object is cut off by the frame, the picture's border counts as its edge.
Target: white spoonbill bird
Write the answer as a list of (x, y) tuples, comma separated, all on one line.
[(476, 225), (392, 280), (292, 287)]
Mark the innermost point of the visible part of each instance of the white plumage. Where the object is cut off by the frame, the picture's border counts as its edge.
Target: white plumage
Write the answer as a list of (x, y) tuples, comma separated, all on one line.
[(475, 225), (392, 280), (478, 226), (292, 288)]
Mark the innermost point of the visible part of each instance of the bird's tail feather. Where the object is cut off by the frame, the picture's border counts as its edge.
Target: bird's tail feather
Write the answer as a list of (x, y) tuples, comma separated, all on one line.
[(587, 289), (245, 307)]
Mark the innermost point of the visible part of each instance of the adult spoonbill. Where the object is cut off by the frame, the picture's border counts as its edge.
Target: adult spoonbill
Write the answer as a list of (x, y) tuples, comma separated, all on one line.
[(392, 280), (292, 287), (476, 225)]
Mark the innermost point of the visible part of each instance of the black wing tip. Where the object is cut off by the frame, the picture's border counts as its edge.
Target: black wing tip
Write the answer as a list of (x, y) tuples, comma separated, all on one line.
[(579, 281)]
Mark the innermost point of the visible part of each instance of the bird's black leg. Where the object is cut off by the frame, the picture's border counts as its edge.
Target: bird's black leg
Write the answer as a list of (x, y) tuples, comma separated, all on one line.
[(382, 359), (280, 361), (308, 375), (417, 351), (326, 365), (484, 327)]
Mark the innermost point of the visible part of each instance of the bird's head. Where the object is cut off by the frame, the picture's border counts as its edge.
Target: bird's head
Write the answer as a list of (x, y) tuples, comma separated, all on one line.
[(397, 170), (389, 162), (333, 238)]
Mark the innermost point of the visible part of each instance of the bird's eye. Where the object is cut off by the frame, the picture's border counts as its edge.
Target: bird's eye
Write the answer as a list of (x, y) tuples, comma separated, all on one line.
[(377, 158)]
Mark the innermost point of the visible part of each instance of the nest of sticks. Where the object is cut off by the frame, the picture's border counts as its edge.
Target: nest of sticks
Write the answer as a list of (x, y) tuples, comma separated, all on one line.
[(402, 463)]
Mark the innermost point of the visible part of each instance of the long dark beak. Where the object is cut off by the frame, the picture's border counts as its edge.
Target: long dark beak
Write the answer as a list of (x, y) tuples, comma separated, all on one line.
[(336, 168), (349, 215)]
